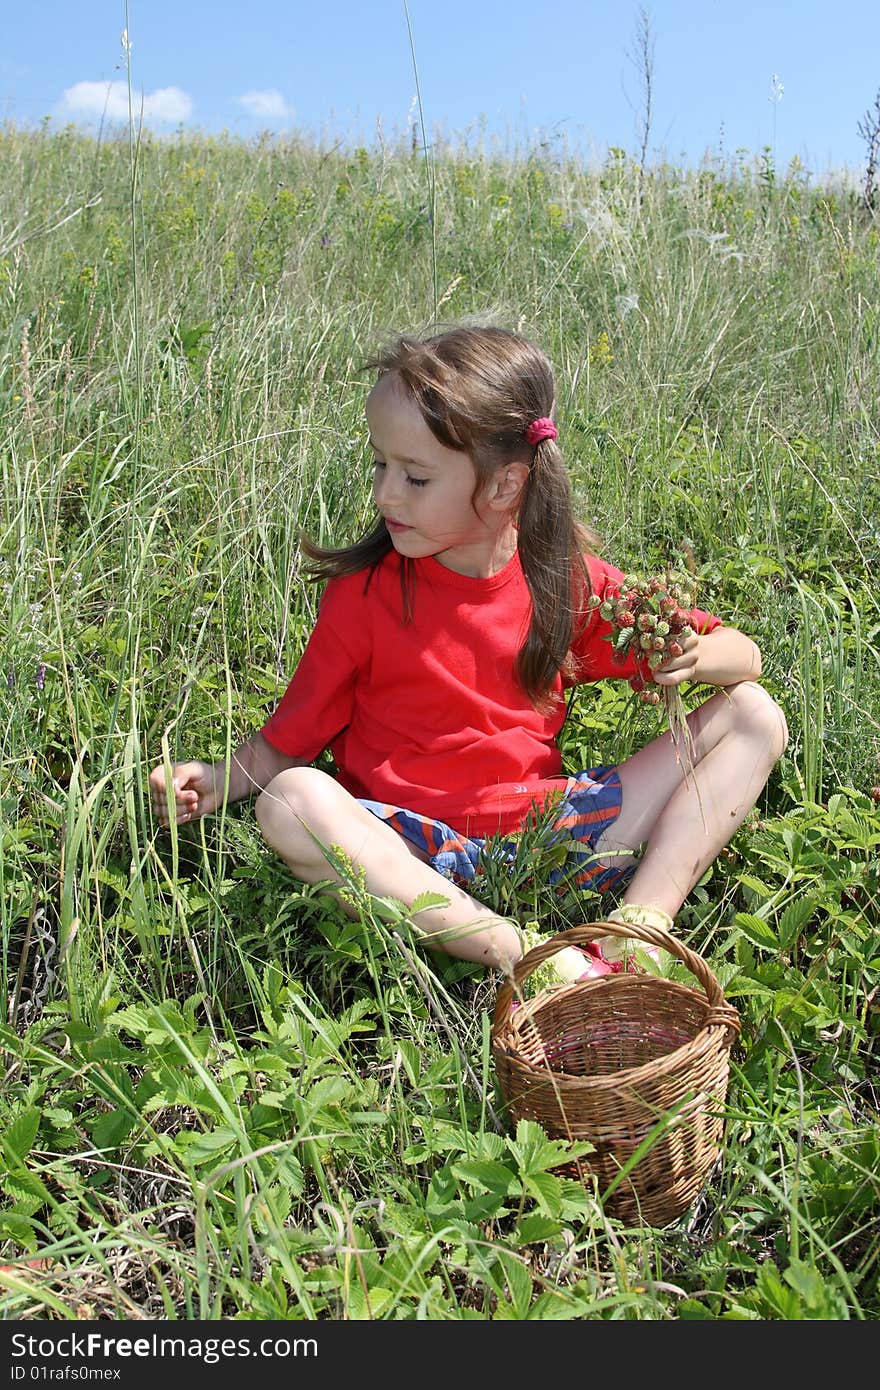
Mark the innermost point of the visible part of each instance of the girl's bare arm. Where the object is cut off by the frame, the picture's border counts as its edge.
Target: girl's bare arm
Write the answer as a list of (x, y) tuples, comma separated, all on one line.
[(199, 788)]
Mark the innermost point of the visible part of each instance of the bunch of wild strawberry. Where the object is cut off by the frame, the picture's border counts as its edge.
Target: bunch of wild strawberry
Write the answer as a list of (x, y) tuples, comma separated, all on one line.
[(650, 620)]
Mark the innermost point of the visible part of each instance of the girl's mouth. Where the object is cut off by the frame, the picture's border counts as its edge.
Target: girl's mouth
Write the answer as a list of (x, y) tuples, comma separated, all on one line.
[(395, 527)]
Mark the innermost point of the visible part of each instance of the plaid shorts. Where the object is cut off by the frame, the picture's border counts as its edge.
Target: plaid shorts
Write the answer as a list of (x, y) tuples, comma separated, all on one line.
[(589, 804)]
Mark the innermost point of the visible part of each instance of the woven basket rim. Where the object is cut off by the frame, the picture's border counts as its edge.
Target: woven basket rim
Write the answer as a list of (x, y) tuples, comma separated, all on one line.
[(706, 1039)]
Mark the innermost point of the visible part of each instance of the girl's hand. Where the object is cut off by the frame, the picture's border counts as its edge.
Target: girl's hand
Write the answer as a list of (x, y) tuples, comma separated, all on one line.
[(198, 790), (680, 668), (721, 657)]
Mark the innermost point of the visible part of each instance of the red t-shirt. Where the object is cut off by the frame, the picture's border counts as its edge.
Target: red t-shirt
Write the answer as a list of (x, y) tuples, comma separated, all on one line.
[(428, 714)]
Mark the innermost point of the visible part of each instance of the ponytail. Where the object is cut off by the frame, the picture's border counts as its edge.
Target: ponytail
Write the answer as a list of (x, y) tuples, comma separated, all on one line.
[(551, 548)]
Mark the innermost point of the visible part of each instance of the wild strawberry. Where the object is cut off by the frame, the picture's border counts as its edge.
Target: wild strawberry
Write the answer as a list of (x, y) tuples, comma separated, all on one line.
[(643, 616), (875, 793)]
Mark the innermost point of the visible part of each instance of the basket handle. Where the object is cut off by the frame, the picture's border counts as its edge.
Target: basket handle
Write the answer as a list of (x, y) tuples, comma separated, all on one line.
[(721, 1014)]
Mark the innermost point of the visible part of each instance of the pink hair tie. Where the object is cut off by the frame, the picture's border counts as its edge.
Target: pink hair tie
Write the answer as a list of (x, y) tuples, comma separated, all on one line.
[(543, 428)]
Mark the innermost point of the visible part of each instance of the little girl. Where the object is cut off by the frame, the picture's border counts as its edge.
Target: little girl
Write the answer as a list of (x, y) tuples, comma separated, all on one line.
[(445, 640)]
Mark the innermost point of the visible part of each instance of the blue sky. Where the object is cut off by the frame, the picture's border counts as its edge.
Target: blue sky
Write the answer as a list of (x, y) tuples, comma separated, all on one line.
[(728, 75)]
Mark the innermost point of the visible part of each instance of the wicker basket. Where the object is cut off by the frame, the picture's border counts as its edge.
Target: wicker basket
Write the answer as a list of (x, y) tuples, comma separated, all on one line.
[(635, 1064)]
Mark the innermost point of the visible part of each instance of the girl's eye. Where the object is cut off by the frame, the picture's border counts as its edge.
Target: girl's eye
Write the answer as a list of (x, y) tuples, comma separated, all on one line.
[(413, 482)]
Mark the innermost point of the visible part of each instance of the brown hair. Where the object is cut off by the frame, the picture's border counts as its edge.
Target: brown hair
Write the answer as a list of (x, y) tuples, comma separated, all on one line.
[(478, 389)]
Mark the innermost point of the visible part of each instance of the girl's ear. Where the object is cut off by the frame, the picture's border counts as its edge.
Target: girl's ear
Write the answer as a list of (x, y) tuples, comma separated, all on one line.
[(507, 485)]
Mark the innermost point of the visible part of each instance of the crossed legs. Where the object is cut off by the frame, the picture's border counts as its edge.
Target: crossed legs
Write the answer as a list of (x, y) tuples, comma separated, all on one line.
[(302, 805), (738, 735)]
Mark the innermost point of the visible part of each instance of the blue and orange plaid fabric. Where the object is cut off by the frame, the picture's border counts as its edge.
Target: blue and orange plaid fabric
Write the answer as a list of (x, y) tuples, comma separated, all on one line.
[(590, 803)]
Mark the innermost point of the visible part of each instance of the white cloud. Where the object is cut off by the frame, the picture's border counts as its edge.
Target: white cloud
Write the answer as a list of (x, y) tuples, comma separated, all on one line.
[(167, 105), (267, 105)]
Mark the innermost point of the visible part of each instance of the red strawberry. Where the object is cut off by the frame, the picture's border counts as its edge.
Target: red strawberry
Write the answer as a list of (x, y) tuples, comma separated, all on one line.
[(675, 649)]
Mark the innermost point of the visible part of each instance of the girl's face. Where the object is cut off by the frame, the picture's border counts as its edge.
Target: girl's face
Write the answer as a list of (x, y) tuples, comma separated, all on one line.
[(425, 491)]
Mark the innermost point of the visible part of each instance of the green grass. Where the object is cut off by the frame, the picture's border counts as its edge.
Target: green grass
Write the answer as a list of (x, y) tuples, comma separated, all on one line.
[(223, 1098)]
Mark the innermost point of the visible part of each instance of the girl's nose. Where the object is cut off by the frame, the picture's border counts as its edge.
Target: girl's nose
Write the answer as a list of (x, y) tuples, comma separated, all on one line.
[(384, 489)]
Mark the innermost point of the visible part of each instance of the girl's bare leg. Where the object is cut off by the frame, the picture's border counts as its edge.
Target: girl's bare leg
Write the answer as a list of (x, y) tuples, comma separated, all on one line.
[(737, 737), (302, 805)]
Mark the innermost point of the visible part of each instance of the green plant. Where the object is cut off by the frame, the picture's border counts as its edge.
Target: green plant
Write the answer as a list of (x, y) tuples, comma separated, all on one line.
[(225, 1097)]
